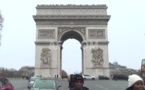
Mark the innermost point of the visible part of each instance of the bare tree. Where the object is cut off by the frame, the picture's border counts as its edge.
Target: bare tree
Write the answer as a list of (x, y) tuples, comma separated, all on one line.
[(23, 72), (64, 74), (1, 25), (26, 71), (5, 72)]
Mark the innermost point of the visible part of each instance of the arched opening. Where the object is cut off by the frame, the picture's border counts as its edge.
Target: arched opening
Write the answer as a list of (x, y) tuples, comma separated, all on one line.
[(71, 53), (71, 34), (71, 56)]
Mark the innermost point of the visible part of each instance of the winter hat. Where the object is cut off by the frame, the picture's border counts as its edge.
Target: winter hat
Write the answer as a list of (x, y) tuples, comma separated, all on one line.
[(78, 77), (133, 79)]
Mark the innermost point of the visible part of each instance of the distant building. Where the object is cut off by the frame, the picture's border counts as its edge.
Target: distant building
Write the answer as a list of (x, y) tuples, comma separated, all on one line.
[(119, 69)]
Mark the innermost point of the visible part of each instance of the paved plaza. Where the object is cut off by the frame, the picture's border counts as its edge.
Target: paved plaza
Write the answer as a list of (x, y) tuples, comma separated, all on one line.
[(20, 84)]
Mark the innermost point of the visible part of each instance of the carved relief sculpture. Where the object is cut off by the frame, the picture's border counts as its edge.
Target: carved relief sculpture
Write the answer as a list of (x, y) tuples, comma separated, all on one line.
[(96, 33), (46, 34), (97, 57), (61, 30), (46, 56), (80, 29)]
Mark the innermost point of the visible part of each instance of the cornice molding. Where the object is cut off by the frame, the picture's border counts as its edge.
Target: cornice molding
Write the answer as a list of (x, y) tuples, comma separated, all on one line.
[(68, 17), (95, 43)]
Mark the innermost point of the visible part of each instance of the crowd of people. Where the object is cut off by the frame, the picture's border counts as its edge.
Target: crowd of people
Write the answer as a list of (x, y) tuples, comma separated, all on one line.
[(76, 82)]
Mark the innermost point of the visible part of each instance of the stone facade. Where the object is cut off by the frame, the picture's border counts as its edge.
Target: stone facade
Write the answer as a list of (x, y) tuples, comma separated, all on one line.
[(57, 23)]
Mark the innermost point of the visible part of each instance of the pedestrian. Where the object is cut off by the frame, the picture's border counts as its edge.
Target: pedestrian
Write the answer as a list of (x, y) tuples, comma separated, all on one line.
[(71, 81), (78, 83), (135, 82), (62, 76)]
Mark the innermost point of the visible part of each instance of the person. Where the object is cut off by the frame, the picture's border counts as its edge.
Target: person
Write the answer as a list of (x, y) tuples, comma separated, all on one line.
[(78, 83), (71, 81), (135, 82), (62, 76)]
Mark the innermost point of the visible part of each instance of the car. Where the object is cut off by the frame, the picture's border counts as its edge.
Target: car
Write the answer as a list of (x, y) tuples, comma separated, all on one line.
[(45, 84), (120, 77), (31, 81), (101, 77), (88, 77), (5, 84)]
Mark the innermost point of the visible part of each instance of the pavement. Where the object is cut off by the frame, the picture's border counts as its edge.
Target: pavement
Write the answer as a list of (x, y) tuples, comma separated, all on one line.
[(21, 84)]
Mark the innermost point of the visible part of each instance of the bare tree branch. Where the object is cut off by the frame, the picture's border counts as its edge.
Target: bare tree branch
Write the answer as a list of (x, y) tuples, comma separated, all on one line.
[(1, 25)]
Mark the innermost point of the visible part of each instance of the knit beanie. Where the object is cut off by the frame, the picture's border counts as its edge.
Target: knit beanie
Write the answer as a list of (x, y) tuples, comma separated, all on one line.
[(133, 79)]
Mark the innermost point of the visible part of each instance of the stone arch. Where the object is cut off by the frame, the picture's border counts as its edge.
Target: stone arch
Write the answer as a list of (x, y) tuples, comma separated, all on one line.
[(79, 33), (85, 23), (71, 34)]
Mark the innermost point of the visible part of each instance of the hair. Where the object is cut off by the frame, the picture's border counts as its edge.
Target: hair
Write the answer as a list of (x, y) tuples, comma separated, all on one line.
[(130, 88), (78, 77), (70, 77)]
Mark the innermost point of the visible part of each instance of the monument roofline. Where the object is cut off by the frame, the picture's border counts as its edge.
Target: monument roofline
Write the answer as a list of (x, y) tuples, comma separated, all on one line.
[(72, 6)]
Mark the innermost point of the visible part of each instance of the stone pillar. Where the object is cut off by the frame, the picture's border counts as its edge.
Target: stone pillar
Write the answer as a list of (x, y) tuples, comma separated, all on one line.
[(47, 61), (95, 59)]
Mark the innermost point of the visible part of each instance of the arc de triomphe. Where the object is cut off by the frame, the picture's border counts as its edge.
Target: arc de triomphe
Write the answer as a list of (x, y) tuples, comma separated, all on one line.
[(85, 23)]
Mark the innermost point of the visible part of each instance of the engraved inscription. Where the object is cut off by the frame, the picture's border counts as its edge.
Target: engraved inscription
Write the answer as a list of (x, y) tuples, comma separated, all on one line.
[(96, 33), (46, 34)]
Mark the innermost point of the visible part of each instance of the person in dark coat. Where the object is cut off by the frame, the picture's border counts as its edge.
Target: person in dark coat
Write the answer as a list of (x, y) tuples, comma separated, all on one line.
[(135, 82), (78, 83), (71, 81)]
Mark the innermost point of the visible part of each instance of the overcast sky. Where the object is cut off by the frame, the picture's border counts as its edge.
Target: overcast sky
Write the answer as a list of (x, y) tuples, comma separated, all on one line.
[(126, 33)]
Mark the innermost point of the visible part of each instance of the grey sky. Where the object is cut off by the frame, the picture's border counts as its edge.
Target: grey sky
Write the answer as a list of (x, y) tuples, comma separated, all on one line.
[(126, 30)]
